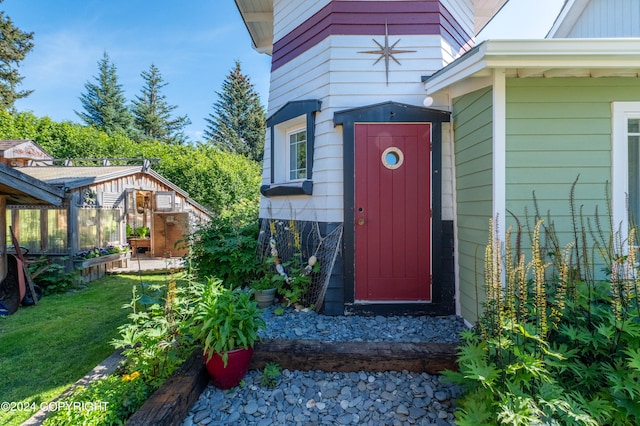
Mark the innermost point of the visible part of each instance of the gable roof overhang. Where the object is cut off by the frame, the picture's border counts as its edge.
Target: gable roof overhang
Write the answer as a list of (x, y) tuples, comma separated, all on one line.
[(258, 18), (549, 58), (22, 189), (70, 178), (567, 18)]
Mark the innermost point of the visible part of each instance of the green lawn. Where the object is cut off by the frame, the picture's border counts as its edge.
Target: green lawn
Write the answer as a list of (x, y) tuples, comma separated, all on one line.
[(46, 348)]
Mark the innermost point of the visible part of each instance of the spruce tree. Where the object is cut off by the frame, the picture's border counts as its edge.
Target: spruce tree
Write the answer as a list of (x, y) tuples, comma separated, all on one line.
[(104, 102), (237, 123), (152, 114), (15, 44)]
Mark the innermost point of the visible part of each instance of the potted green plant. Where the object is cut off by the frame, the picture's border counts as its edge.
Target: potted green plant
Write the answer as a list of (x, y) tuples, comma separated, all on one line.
[(264, 290), (227, 322)]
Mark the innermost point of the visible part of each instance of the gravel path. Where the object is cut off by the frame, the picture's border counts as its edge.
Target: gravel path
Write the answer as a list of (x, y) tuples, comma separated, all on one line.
[(326, 398)]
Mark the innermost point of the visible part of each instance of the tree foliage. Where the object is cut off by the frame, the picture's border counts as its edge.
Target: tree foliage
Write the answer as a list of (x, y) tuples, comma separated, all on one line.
[(15, 44), (152, 114), (104, 102), (237, 123), (221, 181)]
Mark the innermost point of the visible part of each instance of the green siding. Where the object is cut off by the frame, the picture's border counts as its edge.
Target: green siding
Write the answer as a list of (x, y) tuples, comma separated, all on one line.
[(557, 129), (472, 128)]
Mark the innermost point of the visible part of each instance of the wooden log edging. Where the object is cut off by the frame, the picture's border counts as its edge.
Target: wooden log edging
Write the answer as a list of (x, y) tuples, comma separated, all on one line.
[(306, 355), (171, 403)]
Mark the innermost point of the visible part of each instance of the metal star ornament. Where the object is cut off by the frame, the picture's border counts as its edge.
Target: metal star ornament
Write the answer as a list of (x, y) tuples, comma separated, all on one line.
[(386, 52)]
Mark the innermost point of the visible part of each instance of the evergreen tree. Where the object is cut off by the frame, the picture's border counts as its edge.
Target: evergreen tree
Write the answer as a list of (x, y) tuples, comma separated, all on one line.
[(14, 47), (152, 114), (238, 120), (104, 103)]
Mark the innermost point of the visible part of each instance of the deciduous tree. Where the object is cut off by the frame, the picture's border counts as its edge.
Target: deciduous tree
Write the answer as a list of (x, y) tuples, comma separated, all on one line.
[(237, 123)]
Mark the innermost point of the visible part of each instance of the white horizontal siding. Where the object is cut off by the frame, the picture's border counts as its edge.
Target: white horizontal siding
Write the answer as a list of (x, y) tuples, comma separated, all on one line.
[(335, 73), (608, 18), (462, 11), (287, 14)]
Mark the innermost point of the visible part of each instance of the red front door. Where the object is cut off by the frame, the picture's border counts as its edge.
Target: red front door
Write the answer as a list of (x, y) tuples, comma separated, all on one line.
[(392, 212)]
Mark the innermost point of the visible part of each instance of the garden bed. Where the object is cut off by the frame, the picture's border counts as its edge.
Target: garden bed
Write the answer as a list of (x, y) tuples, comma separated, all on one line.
[(171, 403), (97, 267)]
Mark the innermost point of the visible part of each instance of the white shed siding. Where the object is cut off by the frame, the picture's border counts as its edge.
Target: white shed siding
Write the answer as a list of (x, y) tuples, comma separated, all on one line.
[(608, 18), (287, 14)]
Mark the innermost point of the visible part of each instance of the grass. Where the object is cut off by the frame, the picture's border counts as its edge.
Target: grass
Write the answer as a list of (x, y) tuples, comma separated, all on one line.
[(46, 348)]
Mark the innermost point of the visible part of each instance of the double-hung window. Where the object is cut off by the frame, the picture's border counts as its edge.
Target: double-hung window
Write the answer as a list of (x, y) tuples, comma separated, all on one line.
[(297, 148), (625, 165), (292, 134)]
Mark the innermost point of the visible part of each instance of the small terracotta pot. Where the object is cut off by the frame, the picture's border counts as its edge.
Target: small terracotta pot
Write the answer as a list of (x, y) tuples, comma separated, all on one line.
[(229, 376)]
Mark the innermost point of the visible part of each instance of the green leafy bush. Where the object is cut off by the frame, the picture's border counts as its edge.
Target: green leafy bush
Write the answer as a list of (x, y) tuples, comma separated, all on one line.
[(55, 279), (227, 251), (226, 319), (106, 402), (551, 348)]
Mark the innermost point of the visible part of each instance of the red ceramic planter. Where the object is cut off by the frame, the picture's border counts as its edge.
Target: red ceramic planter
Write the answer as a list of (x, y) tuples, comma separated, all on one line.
[(237, 366)]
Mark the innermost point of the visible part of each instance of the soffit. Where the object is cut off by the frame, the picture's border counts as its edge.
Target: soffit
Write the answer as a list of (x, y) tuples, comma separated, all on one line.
[(258, 18), (550, 58), (484, 11)]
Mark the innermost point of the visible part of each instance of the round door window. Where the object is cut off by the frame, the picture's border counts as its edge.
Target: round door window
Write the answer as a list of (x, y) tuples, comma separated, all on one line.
[(392, 158)]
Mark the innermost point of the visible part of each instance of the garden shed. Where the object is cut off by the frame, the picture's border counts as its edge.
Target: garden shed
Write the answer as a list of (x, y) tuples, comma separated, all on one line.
[(109, 205)]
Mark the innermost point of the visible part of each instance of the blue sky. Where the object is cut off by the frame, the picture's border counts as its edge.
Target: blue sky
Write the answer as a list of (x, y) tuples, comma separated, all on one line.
[(194, 44)]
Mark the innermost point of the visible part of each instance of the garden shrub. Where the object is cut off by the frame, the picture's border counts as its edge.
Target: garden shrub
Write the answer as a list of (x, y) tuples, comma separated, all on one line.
[(155, 343), (552, 347), (227, 247)]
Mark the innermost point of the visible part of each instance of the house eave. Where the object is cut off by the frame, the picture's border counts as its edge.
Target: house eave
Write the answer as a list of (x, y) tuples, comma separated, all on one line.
[(550, 58), (257, 16)]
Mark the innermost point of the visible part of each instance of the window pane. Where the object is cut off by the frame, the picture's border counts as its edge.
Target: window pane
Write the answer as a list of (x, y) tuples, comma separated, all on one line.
[(87, 229), (634, 178), (633, 125), (110, 227), (29, 229), (57, 231), (298, 155)]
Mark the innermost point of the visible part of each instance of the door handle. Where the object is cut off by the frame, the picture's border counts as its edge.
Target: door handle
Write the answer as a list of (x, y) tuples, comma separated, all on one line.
[(361, 221)]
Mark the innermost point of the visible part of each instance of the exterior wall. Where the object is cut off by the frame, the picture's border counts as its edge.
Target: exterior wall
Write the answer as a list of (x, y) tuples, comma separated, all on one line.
[(608, 18), (559, 129), (472, 128), (287, 14), (334, 72), (365, 17)]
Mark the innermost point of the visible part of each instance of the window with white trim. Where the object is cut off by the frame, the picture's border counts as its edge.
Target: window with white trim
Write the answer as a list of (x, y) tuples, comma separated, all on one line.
[(625, 164), (297, 154), (292, 130)]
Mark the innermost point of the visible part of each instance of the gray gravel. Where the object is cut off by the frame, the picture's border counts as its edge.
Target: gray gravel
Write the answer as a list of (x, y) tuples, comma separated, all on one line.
[(329, 398)]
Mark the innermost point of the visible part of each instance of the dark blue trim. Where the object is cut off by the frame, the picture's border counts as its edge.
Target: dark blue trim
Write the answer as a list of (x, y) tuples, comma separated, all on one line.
[(442, 301), (291, 110), (294, 188)]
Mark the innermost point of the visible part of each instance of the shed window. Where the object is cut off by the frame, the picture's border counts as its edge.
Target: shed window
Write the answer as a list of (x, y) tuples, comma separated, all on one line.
[(98, 227)]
